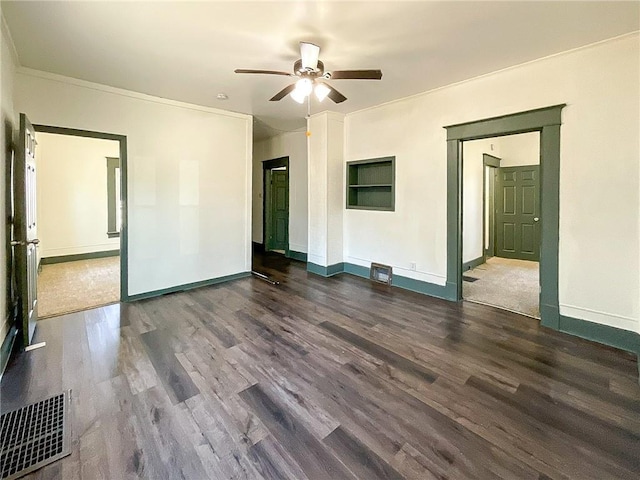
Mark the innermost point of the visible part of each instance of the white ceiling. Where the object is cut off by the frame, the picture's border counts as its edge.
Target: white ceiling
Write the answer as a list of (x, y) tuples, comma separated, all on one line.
[(188, 50)]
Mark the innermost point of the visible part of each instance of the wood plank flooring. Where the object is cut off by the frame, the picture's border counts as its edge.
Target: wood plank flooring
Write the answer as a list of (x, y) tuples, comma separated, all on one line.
[(332, 378)]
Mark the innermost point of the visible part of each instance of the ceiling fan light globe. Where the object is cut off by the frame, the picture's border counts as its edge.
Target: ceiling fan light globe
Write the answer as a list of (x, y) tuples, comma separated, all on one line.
[(298, 96), (304, 86), (321, 91)]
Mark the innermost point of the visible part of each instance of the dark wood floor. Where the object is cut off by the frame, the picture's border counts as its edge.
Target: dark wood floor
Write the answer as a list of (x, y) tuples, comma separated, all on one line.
[(329, 379)]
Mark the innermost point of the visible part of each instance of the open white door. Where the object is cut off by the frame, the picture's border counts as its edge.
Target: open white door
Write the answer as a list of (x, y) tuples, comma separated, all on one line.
[(25, 228)]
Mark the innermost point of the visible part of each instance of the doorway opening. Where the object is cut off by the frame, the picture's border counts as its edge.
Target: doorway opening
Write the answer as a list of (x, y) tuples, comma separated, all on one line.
[(547, 121), (500, 222), (276, 205), (81, 205)]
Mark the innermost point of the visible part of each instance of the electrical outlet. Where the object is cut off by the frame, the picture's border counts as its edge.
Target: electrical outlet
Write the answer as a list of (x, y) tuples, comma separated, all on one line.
[(412, 266)]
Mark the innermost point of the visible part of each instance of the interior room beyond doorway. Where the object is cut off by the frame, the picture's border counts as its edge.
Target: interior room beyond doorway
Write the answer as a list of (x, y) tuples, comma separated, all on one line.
[(79, 216), (501, 222), (276, 205)]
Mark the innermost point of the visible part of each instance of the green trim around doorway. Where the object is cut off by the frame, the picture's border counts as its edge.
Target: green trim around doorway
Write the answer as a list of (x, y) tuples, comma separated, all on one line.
[(189, 286), (547, 121), (473, 263), (78, 256), (113, 163), (124, 227), (490, 161)]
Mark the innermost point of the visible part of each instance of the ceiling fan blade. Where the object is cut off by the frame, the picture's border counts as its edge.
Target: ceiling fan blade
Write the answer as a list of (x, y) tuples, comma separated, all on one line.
[(356, 75), (309, 54), (266, 72), (283, 93), (335, 95)]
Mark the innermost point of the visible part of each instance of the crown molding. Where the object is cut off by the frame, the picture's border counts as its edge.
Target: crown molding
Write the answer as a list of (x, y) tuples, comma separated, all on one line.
[(126, 93), (6, 32)]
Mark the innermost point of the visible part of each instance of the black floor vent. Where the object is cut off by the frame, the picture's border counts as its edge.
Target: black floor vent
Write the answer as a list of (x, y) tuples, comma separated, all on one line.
[(34, 436), (465, 278)]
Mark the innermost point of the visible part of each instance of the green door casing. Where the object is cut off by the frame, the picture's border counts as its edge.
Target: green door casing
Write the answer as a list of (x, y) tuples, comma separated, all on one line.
[(278, 233), (518, 212)]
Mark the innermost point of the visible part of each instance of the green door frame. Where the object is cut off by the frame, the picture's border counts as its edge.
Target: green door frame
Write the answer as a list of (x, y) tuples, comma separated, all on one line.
[(122, 139), (547, 121), (267, 166), (492, 162)]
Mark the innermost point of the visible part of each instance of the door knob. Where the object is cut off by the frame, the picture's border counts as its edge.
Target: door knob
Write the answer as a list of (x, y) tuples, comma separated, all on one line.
[(535, 219), (17, 243)]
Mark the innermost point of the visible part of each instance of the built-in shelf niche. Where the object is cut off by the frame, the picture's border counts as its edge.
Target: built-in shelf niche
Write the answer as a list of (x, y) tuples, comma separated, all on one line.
[(371, 184)]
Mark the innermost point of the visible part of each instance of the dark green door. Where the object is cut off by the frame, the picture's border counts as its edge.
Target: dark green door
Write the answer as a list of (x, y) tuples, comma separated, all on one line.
[(278, 224), (518, 212)]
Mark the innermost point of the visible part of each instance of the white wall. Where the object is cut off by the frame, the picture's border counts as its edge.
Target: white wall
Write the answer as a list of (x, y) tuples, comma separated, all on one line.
[(72, 194), (513, 151), (517, 150), (336, 192), (326, 188), (189, 175), (317, 185), (7, 131), (294, 146), (599, 177), (472, 192)]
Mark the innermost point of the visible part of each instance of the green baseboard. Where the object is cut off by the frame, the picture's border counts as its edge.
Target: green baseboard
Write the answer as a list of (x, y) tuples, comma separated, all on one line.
[(79, 256), (329, 271), (300, 256), (473, 263), (426, 288), (187, 286), (446, 292), (7, 348), (357, 270), (596, 332)]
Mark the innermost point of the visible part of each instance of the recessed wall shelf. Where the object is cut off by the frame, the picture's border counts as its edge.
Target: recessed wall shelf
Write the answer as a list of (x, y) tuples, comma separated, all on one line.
[(371, 184)]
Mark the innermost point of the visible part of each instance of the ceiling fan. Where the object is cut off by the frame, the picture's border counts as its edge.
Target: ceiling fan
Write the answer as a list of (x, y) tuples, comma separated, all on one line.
[(312, 77)]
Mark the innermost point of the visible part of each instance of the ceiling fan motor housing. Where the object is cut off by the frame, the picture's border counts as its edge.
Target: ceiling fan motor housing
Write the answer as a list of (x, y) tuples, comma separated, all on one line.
[(300, 71)]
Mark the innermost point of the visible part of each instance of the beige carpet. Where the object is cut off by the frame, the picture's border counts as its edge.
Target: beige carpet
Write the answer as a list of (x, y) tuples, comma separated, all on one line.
[(72, 286), (505, 283)]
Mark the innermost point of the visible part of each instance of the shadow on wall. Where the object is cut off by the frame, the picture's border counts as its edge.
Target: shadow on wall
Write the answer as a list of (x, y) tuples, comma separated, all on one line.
[(9, 310), (8, 214)]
